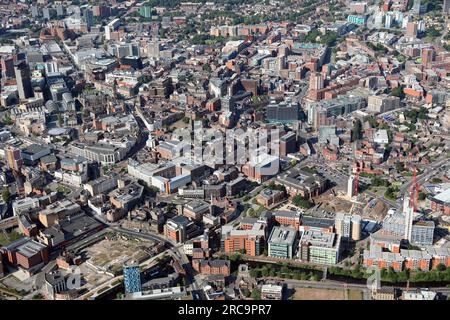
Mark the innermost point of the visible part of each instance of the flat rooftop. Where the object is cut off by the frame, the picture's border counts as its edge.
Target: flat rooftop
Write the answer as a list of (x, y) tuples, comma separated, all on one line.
[(314, 222), (282, 235), (319, 239), (443, 197), (286, 214)]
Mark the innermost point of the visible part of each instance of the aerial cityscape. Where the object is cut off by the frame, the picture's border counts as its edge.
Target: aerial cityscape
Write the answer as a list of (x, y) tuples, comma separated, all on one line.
[(225, 150)]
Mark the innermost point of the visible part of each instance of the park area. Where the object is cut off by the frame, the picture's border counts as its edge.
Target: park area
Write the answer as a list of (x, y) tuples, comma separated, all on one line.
[(326, 294), (7, 238)]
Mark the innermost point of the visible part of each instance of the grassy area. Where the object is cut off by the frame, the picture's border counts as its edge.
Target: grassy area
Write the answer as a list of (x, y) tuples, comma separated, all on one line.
[(12, 292), (379, 191), (9, 237), (115, 283), (309, 169), (103, 290), (318, 294), (63, 189), (326, 294), (255, 213), (88, 296), (354, 294)]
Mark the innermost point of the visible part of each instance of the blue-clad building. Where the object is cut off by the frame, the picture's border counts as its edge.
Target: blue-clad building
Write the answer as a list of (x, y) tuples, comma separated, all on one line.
[(359, 20), (132, 278)]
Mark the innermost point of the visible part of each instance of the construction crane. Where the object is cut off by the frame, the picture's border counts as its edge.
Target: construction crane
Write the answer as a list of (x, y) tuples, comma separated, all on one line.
[(414, 192), (416, 186), (356, 181), (356, 187)]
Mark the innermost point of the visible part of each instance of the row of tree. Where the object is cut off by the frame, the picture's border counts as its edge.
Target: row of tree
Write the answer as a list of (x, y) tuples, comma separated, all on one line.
[(284, 271), (440, 274)]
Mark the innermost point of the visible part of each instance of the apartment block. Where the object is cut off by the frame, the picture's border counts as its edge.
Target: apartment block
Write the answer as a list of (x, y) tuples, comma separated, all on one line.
[(248, 236), (212, 267), (320, 247)]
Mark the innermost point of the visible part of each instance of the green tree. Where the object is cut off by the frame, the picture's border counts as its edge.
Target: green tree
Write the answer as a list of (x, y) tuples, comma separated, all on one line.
[(255, 273), (304, 276), (206, 67), (399, 166), (37, 296), (300, 202), (169, 207), (252, 213), (329, 38), (120, 296), (441, 267), (246, 292), (256, 294), (162, 32), (391, 193), (146, 78), (372, 121), (284, 269), (186, 120), (357, 130), (235, 257), (314, 277), (422, 195), (309, 169), (6, 195), (433, 32), (7, 119), (60, 120), (398, 92)]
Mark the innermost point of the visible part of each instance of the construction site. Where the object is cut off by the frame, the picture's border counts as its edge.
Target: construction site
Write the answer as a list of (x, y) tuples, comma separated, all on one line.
[(364, 205), (110, 255)]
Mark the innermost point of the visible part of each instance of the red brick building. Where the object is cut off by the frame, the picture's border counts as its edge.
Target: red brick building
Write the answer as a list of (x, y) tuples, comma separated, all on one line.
[(416, 260), (248, 237), (26, 253), (213, 104), (439, 256), (407, 259), (330, 154), (199, 253), (212, 267), (269, 197), (441, 202), (289, 218)]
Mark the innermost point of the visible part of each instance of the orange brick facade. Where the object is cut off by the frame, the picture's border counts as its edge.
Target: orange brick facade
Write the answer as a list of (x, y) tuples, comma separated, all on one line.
[(445, 209), (295, 222), (238, 243), (211, 267)]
